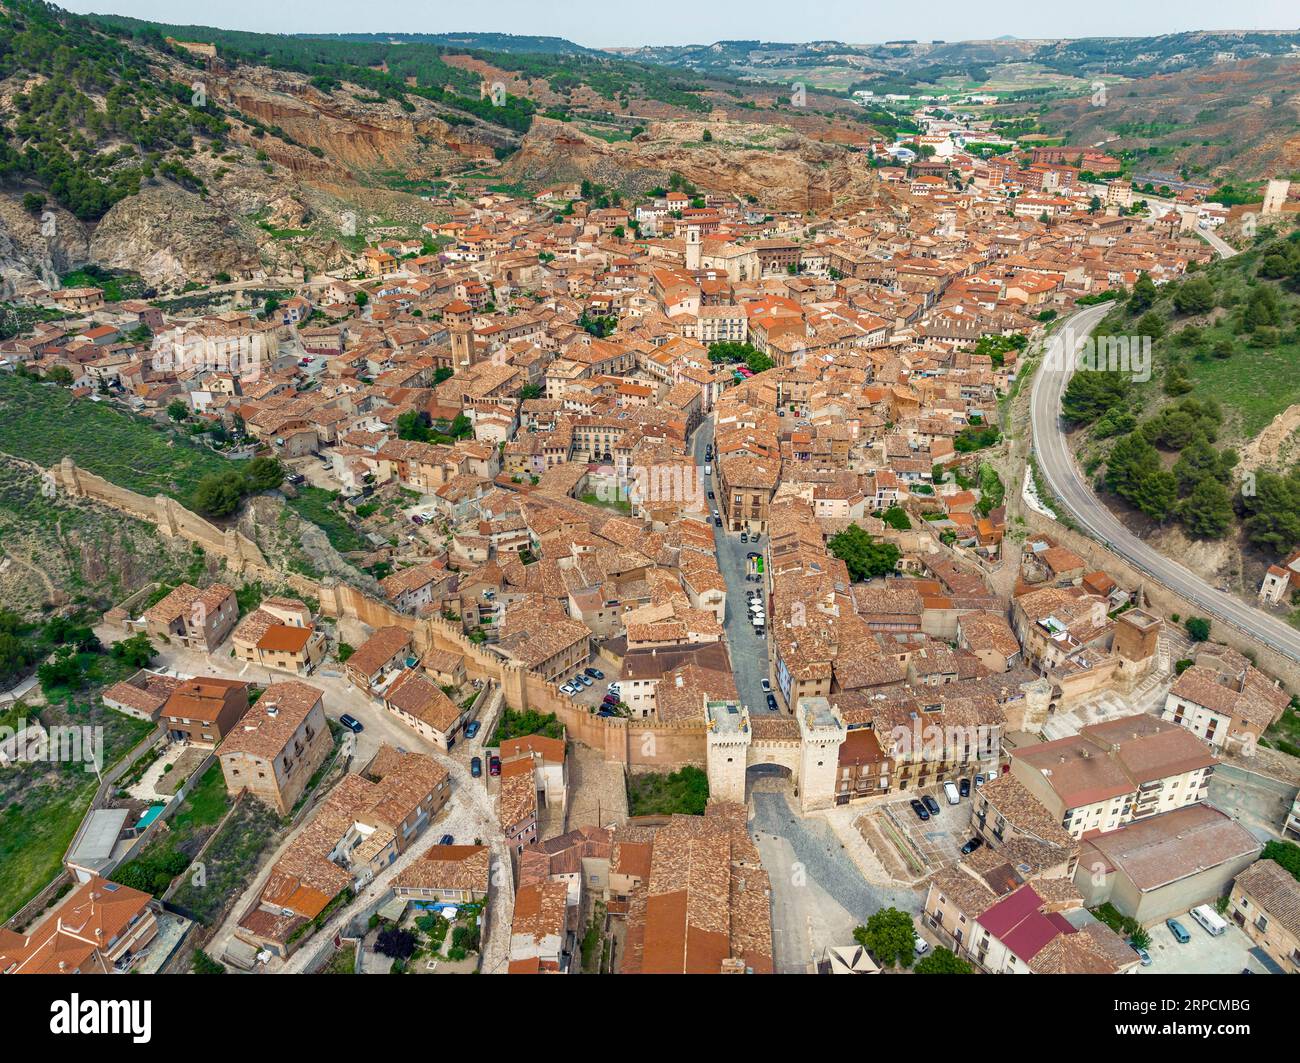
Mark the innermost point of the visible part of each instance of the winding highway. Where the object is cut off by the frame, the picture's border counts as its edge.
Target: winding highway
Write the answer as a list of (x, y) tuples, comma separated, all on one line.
[(1071, 487)]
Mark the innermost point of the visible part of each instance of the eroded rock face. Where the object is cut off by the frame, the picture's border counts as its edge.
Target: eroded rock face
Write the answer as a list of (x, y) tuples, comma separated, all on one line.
[(170, 236), (37, 246), (781, 168)]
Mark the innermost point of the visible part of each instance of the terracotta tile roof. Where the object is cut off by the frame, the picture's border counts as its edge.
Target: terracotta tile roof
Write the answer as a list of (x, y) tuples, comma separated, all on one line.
[(68, 941), (271, 723), (1275, 890)]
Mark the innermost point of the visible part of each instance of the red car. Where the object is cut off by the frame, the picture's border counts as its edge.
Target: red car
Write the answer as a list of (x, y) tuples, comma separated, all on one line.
[(494, 765)]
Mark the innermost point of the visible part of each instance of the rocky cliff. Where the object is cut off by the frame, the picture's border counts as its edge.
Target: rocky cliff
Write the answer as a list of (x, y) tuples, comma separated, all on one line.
[(169, 235), (37, 246), (781, 168)]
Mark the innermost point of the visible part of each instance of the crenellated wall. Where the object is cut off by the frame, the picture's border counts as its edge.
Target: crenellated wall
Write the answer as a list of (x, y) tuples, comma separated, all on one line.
[(632, 743)]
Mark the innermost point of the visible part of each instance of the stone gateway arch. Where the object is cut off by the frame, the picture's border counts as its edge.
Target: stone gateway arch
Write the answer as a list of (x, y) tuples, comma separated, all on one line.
[(808, 745)]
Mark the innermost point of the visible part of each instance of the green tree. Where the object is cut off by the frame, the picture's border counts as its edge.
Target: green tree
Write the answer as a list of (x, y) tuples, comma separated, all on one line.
[(1195, 296), (1135, 474), (218, 495), (896, 517), (136, 651), (1207, 512), (942, 961), (177, 410), (1285, 853), (263, 474), (864, 557), (1198, 628), (414, 425), (1092, 393), (63, 671), (890, 936), (1273, 511), (1143, 295)]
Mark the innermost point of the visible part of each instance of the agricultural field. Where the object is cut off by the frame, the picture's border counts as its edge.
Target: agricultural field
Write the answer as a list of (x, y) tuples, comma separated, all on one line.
[(42, 804), (44, 423), (230, 860)]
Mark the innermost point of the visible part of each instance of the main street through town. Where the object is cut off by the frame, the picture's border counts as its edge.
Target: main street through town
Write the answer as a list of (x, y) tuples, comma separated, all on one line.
[(749, 652), (819, 893), (1071, 487)]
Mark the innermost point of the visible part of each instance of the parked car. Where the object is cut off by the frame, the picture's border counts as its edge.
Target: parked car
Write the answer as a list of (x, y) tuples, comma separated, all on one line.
[(476, 767), (766, 684), (950, 792), (567, 688), (979, 781), (931, 804), (971, 846), (296, 478), (416, 518), (922, 946), (494, 765), (771, 702), (1179, 931), (1211, 922), (471, 728), (963, 788), (351, 723), (595, 673), (446, 839), (712, 496), (744, 537), (1143, 955), (717, 522), (921, 811), (583, 680)]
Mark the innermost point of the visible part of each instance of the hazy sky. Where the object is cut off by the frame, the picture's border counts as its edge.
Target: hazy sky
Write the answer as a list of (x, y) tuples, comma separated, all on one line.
[(603, 23)]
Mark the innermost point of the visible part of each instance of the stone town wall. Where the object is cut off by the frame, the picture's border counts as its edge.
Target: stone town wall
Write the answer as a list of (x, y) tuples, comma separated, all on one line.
[(635, 744)]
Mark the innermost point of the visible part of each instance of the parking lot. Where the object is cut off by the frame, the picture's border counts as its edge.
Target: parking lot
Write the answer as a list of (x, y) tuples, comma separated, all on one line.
[(923, 846), (592, 695), (1229, 953)]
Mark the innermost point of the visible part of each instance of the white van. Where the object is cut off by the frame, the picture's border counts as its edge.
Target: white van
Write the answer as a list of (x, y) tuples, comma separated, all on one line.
[(1213, 923), (950, 791)]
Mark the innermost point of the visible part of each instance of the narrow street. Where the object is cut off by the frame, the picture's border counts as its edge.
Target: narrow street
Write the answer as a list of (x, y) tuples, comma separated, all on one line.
[(750, 659)]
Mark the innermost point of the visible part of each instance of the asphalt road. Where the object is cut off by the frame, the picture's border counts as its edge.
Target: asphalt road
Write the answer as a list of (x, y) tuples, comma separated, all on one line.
[(1071, 487), (1221, 246), (750, 660)]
